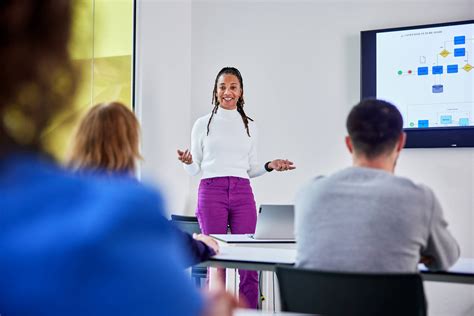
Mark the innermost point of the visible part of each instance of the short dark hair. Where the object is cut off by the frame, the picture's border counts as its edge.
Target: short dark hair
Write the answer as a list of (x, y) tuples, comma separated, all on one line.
[(374, 127)]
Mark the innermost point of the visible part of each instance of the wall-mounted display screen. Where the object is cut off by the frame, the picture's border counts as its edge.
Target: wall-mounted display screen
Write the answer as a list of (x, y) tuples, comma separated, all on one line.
[(427, 71)]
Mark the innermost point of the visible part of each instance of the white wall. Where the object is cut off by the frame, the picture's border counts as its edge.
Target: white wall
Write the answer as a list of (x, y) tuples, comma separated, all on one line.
[(300, 63), (163, 93)]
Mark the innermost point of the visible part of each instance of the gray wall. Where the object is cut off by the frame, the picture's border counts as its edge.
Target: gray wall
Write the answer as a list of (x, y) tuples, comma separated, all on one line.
[(300, 63)]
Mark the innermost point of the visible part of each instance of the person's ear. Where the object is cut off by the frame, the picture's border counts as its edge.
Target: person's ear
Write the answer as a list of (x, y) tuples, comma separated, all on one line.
[(401, 141), (349, 144)]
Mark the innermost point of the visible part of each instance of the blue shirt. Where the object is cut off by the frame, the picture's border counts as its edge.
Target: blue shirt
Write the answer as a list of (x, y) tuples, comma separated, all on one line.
[(75, 245)]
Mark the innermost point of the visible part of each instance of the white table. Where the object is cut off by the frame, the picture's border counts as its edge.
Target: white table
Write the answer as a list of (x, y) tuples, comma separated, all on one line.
[(252, 258), (266, 256), (461, 272), (266, 259), (243, 239)]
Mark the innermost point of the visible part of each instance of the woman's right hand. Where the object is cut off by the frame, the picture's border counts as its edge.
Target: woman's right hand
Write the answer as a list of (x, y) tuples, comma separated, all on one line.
[(185, 157)]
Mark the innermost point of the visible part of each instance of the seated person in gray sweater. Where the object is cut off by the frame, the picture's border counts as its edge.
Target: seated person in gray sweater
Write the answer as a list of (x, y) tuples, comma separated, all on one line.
[(366, 219)]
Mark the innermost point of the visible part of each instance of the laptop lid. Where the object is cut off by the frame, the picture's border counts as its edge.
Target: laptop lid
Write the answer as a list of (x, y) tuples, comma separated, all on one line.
[(275, 222)]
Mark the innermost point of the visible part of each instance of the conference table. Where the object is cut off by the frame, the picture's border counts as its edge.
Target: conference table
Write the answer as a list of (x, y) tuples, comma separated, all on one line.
[(266, 256), (237, 253)]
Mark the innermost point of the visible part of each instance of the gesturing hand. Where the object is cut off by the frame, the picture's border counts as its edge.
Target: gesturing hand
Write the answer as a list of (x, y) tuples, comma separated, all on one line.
[(281, 165), (185, 157)]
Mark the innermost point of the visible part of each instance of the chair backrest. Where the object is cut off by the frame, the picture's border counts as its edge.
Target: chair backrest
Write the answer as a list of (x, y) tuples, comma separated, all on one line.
[(335, 293), (188, 224)]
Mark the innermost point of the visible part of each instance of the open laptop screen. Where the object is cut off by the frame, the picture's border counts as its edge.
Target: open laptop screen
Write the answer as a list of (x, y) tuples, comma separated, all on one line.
[(275, 222)]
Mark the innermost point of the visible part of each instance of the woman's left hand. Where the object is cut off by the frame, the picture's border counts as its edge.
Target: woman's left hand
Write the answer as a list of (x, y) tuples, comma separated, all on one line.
[(281, 165)]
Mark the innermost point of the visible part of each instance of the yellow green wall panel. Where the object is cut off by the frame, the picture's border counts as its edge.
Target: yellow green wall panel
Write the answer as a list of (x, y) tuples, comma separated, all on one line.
[(102, 48)]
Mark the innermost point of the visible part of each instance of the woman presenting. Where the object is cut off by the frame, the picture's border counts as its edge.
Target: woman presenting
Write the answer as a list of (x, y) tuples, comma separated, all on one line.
[(224, 149)]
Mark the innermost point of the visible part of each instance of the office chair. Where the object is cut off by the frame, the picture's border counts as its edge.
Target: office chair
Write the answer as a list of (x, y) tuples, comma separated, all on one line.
[(337, 293), (190, 225)]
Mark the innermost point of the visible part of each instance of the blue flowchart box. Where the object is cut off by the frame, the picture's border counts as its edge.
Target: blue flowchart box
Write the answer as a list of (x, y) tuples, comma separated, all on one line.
[(446, 119), (459, 40), (464, 121), (422, 71), (459, 52), (423, 123), (437, 70), (437, 88), (451, 69)]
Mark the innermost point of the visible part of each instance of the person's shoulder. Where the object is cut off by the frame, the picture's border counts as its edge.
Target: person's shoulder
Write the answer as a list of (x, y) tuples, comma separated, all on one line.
[(128, 200), (422, 189), (321, 183), (317, 179), (126, 191), (310, 186), (56, 218), (252, 123), (201, 122), (45, 181), (203, 119), (42, 186), (411, 184), (409, 189), (251, 118), (76, 206)]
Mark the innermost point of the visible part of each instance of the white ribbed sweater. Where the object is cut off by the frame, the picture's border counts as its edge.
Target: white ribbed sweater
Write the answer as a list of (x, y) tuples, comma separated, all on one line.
[(227, 150)]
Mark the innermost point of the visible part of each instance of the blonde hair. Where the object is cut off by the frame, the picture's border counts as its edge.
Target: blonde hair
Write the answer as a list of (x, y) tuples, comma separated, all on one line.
[(107, 139)]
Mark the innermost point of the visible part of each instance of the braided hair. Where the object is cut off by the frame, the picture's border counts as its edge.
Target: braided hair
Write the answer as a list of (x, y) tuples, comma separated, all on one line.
[(240, 101)]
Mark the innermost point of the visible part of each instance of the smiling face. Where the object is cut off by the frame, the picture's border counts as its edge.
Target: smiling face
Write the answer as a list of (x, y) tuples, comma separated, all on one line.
[(228, 91)]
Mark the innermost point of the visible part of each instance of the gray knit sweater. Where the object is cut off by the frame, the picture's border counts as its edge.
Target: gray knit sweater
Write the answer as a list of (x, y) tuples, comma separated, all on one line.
[(368, 220)]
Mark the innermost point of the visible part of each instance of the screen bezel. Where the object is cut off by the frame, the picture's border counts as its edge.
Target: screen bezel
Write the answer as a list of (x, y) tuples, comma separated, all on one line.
[(416, 138)]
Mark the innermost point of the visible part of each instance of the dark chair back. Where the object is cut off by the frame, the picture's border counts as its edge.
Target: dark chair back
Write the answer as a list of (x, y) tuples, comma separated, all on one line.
[(188, 224), (335, 293)]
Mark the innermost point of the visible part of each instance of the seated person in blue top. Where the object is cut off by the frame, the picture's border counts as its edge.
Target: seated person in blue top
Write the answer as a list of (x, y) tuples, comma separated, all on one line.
[(107, 143), (366, 219), (69, 244)]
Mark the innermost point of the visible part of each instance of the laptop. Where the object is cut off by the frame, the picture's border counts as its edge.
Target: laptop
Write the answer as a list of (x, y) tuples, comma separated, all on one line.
[(275, 222)]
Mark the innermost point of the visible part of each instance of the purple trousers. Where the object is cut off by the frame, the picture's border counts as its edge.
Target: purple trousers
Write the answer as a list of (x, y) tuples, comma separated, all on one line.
[(229, 201)]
